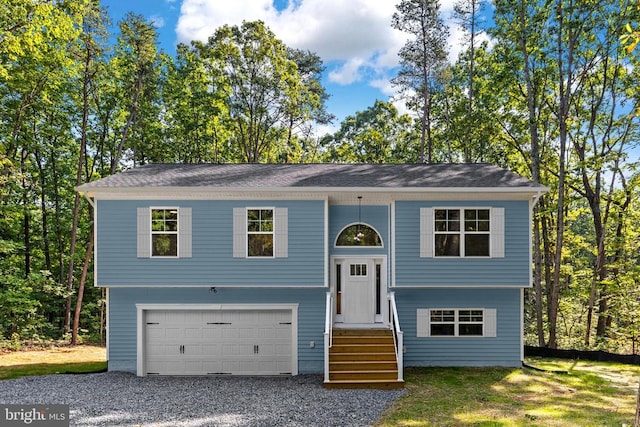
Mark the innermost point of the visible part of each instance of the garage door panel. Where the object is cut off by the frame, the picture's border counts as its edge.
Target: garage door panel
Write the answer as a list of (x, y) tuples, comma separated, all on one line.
[(190, 350), (211, 333), (163, 350), (173, 333), (213, 368), (155, 316), (270, 365), (244, 333), (283, 350), (193, 367), (212, 349), (267, 333), (201, 342), (237, 349), (154, 332), (194, 332), (213, 316), (282, 333), (165, 367), (267, 349)]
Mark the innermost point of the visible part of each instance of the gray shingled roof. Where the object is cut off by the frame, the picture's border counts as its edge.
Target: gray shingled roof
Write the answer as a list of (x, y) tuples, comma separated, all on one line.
[(326, 175)]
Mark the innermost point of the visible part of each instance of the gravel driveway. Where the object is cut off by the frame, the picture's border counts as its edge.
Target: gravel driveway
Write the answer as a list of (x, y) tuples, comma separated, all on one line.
[(122, 399)]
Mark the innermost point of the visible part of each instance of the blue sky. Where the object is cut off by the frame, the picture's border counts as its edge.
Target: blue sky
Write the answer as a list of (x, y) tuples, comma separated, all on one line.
[(353, 37)]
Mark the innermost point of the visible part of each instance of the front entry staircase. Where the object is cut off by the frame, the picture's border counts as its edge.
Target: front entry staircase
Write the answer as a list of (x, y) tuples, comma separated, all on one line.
[(363, 358)]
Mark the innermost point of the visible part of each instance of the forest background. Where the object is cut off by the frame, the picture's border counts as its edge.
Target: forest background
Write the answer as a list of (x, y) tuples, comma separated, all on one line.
[(553, 97)]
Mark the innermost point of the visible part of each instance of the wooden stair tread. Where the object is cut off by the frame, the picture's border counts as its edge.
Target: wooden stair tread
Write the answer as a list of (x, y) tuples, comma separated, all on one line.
[(363, 358), (377, 384), (368, 371), (364, 362)]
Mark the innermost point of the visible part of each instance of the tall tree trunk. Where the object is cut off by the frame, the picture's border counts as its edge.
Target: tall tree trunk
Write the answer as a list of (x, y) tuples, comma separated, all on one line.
[(133, 111), (26, 219), (565, 81), (58, 217), (83, 278), (469, 143), (535, 169), (44, 212), (76, 200)]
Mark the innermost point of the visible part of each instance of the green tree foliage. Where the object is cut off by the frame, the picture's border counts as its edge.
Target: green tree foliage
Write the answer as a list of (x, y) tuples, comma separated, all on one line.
[(551, 97), (421, 61), (468, 13), (573, 84), (136, 72), (376, 135), (195, 110), (265, 93)]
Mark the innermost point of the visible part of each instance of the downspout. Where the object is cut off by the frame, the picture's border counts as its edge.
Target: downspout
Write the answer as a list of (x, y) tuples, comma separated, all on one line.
[(95, 235), (532, 205)]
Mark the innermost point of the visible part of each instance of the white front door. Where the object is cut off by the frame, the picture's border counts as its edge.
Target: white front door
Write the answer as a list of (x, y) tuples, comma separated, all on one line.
[(358, 293)]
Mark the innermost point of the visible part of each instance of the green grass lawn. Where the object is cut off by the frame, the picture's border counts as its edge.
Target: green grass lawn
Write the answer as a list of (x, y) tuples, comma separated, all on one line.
[(588, 394), (570, 394), (58, 360)]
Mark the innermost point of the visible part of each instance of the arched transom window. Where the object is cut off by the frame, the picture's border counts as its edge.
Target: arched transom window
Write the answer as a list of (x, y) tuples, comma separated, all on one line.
[(358, 235)]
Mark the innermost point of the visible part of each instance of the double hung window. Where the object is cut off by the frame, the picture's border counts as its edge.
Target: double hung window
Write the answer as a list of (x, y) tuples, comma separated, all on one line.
[(164, 232), (462, 232), (260, 232)]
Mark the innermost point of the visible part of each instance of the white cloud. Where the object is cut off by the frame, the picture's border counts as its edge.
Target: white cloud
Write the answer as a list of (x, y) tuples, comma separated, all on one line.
[(157, 21), (354, 38), (357, 34), (384, 86), (348, 72)]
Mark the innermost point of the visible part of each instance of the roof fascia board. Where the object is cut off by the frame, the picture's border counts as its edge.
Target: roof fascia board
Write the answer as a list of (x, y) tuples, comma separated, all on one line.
[(91, 192)]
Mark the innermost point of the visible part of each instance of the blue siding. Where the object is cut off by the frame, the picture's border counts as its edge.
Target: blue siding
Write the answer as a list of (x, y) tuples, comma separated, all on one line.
[(375, 216), (122, 317), (503, 350), (212, 262), (512, 270)]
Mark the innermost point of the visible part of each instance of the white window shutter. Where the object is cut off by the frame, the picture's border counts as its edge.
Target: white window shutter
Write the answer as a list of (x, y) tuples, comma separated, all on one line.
[(144, 233), (423, 328), (184, 232), (497, 232), (281, 232), (239, 232), (426, 232), (490, 322)]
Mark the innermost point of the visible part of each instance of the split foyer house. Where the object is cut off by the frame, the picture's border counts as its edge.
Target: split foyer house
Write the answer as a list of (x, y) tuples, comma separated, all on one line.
[(351, 270)]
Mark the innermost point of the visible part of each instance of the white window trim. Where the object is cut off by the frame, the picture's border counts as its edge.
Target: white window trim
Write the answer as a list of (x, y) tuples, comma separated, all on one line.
[(151, 232), (462, 232), (423, 319), (496, 232), (357, 268), (335, 242), (272, 232)]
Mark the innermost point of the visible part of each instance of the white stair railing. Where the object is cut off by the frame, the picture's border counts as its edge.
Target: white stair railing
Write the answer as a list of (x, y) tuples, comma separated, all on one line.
[(398, 335), (328, 334)]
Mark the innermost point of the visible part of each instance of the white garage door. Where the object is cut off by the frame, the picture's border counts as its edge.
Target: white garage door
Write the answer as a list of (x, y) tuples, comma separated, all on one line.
[(218, 342)]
